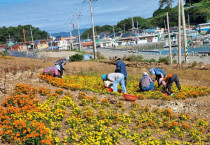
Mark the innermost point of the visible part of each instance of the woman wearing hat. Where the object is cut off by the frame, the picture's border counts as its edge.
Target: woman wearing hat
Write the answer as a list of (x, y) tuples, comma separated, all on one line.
[(159, 73), (146, 83), (115, 78), (120, 66)]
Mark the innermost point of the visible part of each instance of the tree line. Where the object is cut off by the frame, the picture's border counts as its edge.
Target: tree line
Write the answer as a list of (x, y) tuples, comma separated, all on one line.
[(16, 33)]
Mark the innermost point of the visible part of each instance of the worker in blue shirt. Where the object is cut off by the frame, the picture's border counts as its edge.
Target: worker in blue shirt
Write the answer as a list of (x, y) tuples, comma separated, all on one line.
[(159, 73), (121, 68)]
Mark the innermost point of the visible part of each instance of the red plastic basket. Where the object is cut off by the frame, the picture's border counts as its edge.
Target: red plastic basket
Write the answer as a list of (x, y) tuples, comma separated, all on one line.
[(129, 97)]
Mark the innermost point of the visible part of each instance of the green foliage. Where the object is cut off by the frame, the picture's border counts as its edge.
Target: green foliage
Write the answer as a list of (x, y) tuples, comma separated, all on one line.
[(198, 12), (174, 61), (168, 3), (16, 33), (98, 30), (76, 57), (149, 60), (194, 64), (164, 60), (3, 53), (193, 1), (160, 11), (133, 58), (100, 56), (127, 23), (124, 24)]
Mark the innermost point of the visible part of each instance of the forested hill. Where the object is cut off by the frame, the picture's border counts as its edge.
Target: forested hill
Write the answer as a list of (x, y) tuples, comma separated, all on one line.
[(196, 12), (16, 33)]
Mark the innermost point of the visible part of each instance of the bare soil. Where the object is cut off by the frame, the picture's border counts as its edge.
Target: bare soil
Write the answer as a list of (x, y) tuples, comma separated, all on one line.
[(25, 71)]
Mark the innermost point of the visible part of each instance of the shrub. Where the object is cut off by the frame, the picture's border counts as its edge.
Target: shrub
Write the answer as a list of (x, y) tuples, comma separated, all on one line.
[(152, 60), (133, 58), (174, 61), (76, 57), (3, 53), (194, 64), (164, 60), (100, 56)]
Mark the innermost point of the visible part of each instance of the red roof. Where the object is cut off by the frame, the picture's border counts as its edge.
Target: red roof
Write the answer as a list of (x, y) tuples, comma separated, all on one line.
[(87, 44)]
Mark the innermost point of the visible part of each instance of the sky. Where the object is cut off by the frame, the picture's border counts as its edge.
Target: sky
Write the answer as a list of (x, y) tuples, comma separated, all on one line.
[(54, 16)]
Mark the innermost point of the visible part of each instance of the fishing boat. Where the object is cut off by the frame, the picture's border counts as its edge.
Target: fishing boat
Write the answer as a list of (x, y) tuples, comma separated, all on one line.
[(173, 44)]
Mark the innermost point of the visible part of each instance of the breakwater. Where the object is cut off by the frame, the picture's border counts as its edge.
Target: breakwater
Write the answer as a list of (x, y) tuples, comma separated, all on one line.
[(152, 45)]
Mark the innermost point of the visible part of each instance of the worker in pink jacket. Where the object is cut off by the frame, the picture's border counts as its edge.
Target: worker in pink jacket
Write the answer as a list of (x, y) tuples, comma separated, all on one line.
[(52, 71)]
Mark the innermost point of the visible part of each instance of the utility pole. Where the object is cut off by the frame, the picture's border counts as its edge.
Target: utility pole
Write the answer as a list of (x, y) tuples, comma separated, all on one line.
[(78, 15), (124, 28), (24, 36), (165, 23), (51, 39), (132, 23), (169, 39), (93, 31), (70, 35), (113, 31), (184, 32), (32, 40), (188, 14), (137, 27), (179, 33), (74, 30)]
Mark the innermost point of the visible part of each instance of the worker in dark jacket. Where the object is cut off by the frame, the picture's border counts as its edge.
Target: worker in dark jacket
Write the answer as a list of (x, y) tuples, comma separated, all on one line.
[(159, 73), (146, 82), (168, 81), (60, 65), (121, 68)]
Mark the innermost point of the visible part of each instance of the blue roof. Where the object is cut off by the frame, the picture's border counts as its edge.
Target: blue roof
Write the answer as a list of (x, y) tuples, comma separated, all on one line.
[(149, 30), (127, 35)]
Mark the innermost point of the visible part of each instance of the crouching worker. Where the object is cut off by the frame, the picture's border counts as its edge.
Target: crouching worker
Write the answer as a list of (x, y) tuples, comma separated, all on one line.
[(108, 84), (159, 73), (168, 81), (52, 71), (115, 78), (146, 82)]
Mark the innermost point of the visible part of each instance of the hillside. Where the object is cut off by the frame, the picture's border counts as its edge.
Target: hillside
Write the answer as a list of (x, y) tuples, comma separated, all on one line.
[(67, 34), (198, 12)]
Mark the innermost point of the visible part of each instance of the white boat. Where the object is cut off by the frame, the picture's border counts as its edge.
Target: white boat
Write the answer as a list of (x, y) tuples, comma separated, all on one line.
[(206, 40), (173, 44), (203, 27)]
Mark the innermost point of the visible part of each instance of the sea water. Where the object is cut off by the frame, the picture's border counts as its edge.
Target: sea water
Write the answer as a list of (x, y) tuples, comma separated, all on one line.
[(190, 50)]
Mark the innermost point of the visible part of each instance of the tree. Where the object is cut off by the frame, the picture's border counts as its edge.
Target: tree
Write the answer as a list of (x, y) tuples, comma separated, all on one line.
[(168, 3), (98, 30), (127, 23), (193, 1)]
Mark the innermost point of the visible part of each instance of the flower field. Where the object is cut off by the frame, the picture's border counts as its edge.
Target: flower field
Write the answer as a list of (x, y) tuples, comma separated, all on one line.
[(95, 84), (86, 119)]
